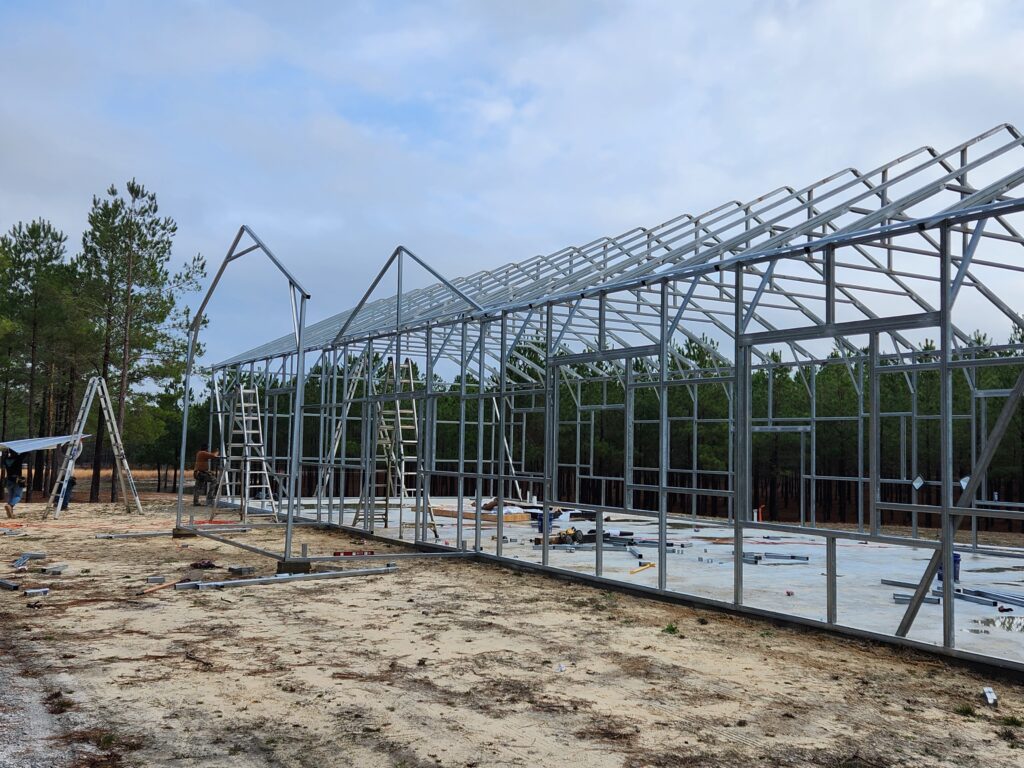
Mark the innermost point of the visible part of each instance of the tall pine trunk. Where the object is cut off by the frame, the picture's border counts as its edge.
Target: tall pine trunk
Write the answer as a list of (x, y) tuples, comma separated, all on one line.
[(33, 354), (94, 490), (122, 394)]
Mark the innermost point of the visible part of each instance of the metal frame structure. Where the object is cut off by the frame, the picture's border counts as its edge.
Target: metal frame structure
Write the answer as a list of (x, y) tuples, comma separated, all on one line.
[(298, 296), (884, 274)]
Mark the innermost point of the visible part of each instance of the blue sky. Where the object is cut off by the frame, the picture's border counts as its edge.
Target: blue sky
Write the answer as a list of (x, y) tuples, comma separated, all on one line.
[(473, 133)]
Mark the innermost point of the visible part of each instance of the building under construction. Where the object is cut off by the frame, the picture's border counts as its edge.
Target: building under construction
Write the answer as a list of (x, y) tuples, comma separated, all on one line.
[(683, 409)]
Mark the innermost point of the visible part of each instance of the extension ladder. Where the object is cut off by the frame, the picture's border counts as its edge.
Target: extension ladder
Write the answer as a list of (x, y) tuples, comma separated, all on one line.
[(396, 446), (129, 493)]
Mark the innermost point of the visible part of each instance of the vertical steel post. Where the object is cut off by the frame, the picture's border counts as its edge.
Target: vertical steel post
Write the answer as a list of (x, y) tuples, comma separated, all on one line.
[(551, 435), (913, 453), (830, 576), (295, 470), (502, 380), (186, 396), (874, 436), (812, 495), (461, 505), (741, 465), (663, 441), (481, 372), (946, 436), (860, 446)]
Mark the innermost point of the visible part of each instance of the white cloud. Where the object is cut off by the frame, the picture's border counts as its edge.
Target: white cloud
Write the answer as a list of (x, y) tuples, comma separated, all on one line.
[(474, 133)]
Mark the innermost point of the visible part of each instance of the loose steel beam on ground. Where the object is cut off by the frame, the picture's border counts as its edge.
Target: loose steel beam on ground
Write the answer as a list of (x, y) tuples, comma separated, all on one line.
[(240, 545), (284, 578), (392, 556)]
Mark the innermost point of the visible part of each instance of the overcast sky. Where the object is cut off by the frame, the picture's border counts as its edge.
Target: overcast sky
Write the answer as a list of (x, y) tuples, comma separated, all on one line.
[(473, 133)]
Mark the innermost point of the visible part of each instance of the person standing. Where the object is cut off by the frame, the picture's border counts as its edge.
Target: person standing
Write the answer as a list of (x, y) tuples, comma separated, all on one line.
[(15, 484), (203, 476)]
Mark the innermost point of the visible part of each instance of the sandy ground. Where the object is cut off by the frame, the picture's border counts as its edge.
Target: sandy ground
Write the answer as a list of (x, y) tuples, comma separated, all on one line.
[(444, 663)]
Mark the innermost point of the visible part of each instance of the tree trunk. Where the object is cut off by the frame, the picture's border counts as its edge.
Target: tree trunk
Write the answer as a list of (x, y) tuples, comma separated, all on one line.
[(7, 389), (33, 352), (94, 490), (122, 393), (45, 424)]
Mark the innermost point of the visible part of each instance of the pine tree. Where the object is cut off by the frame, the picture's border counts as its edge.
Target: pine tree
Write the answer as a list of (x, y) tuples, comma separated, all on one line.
[(125, 259)]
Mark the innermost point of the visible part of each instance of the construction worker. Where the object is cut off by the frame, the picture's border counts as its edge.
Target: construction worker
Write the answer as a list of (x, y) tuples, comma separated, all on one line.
[(202, 474), (15, 484)]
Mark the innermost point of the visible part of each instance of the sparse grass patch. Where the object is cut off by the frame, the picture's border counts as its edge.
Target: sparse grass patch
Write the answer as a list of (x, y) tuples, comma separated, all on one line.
[(57, 703), (671, 629), (1012, 721), (1008, 735), (964, 710)]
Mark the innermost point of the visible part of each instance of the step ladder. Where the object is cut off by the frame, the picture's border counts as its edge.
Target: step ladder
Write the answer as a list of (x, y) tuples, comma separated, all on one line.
[(129, 493), (245, 474)]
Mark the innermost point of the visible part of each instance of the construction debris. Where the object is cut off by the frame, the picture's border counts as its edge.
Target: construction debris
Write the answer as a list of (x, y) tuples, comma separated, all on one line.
[(55, 570), (990, 696), (241, 570), (11, 585), (643, 567), (38, 592), (904, 599), (1011, 598), (156, 579), (22, 561), (968, 598), (895, 583), (281, 578)]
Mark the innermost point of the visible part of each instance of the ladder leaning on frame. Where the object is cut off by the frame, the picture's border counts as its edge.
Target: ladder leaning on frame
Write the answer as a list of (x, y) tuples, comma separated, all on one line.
[(396, 444), (245, 464), (129, 493)]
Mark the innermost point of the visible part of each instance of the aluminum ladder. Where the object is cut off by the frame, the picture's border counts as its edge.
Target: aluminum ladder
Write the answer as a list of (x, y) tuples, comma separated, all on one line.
[(129, 492), (396, 446), (245, 463)]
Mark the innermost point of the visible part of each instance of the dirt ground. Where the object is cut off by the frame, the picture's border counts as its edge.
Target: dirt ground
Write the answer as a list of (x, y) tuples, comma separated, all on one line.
[(443, 663)]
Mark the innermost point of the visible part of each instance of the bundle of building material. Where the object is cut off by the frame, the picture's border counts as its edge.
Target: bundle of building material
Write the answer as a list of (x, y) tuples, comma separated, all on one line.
[(903, 599), (1011, 598), (968, 598), (22, 561), (511, 514)]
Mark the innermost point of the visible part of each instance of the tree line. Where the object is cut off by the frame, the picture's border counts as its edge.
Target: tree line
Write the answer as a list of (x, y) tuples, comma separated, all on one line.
[(781, 460), (110, 307)]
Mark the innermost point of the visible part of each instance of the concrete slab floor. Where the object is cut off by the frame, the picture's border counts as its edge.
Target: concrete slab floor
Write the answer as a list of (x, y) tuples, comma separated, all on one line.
[(704, 569)]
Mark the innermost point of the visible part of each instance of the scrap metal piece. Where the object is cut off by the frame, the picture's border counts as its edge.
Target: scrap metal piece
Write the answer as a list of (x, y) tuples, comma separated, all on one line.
[(22, 561), (286, 577)]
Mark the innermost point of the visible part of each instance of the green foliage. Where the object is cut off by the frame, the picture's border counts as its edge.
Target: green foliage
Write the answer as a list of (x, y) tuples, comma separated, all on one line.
[(113, 309)]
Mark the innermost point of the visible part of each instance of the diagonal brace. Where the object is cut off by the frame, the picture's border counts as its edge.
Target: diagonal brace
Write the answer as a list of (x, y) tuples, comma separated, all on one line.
[(965, 501)]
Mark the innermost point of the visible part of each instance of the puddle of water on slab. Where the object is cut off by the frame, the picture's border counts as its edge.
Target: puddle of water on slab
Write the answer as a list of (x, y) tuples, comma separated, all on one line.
[(1007, 623)]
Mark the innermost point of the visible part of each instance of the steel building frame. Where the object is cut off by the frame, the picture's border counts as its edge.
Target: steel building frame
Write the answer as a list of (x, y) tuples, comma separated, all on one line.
[(883, 273)]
